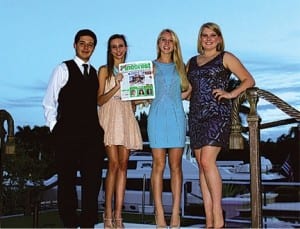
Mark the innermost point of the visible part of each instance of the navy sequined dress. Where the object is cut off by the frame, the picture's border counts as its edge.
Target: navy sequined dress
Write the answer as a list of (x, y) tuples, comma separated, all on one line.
[(209, 119)]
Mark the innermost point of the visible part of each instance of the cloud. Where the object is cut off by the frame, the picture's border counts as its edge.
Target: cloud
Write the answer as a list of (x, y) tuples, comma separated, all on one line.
[(25, 102)]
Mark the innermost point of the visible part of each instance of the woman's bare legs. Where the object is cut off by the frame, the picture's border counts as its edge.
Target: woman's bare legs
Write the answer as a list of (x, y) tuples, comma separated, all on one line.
[(115, 180), (120, 180), (211, 185), (158, 166), (175, 164), (112, 153)]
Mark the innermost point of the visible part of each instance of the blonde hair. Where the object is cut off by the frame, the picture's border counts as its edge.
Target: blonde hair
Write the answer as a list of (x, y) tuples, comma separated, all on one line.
[(214, 27), (176, 57)]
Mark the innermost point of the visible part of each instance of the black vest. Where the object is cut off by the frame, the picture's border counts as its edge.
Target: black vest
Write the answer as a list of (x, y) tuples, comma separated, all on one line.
[(77, 114)]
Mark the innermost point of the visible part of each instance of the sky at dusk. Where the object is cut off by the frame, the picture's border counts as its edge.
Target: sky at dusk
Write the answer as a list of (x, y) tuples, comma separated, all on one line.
[(37, 35)]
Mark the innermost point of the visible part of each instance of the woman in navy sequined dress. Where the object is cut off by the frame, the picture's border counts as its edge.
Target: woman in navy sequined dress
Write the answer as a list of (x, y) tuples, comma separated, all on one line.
[(210, 112)]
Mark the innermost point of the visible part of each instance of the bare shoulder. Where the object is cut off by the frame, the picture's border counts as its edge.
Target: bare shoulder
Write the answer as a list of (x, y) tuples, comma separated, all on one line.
[(230, 59), (103, 68), (229, 55), (102, 71)]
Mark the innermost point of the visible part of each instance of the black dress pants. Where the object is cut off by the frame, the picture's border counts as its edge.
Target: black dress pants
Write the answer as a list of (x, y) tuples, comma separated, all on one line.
[(85, 157)]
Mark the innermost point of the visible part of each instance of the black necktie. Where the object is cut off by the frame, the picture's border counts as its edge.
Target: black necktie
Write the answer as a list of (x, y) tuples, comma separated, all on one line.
[(85, 71)]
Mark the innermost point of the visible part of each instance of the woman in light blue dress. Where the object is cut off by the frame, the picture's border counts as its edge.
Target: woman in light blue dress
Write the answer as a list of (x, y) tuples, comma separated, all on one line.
[(167, 123)]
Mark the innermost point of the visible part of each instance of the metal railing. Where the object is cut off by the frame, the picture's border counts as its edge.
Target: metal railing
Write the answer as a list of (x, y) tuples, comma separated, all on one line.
[(236, 141), (7, 146)]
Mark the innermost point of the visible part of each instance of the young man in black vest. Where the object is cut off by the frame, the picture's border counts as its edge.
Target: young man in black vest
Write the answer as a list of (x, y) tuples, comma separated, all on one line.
[(70, 107)]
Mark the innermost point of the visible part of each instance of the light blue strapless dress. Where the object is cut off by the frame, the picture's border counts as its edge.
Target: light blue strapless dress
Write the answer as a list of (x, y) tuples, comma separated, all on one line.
[(166, 118)]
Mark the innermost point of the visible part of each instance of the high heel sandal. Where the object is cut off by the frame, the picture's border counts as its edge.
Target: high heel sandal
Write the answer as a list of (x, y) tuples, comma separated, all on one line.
[(119, 223), (175, 226), (159, 226), (172, 226), (223, 226), (224, 218), (108, 223)]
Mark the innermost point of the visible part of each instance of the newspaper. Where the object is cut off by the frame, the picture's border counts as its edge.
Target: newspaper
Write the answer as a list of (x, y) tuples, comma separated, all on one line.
[(138, 81)]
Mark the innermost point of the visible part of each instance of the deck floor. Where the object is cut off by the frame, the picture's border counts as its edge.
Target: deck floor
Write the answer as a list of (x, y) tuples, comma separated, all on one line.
[(139, 226)]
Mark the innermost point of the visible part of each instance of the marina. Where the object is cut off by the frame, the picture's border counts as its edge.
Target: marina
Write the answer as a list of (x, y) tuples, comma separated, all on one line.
[(138, 197), (255, 194)]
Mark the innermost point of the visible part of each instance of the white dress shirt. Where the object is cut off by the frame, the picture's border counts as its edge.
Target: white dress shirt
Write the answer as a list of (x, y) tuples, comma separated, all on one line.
[(57, 81)]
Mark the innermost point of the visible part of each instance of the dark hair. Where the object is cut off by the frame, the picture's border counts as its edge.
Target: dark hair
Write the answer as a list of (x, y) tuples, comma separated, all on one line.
[(110, 60), (85, 32)]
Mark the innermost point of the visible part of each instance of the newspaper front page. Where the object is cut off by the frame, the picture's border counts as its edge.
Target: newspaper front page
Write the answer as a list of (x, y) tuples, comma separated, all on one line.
[(138, 81)]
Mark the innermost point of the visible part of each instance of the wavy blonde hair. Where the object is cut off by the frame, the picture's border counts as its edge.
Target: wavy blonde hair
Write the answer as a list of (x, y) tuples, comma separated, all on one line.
[(176, 57)]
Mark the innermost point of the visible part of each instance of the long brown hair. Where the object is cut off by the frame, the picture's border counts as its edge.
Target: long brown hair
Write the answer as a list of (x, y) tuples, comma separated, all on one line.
[(110, 59)]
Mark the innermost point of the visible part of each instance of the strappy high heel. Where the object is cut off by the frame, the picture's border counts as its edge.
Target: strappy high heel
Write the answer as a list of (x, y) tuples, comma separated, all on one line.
[(108, 223), (119, 223)]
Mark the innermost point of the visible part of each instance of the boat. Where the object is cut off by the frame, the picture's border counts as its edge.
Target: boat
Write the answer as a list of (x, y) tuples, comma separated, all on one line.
[(138, 196)]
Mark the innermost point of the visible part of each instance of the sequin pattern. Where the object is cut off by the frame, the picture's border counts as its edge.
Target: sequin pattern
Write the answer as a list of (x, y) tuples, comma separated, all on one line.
[(209, 119)]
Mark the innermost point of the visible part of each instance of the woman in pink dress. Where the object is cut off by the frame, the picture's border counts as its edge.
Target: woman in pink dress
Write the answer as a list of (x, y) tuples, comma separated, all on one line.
[(121, 130)]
